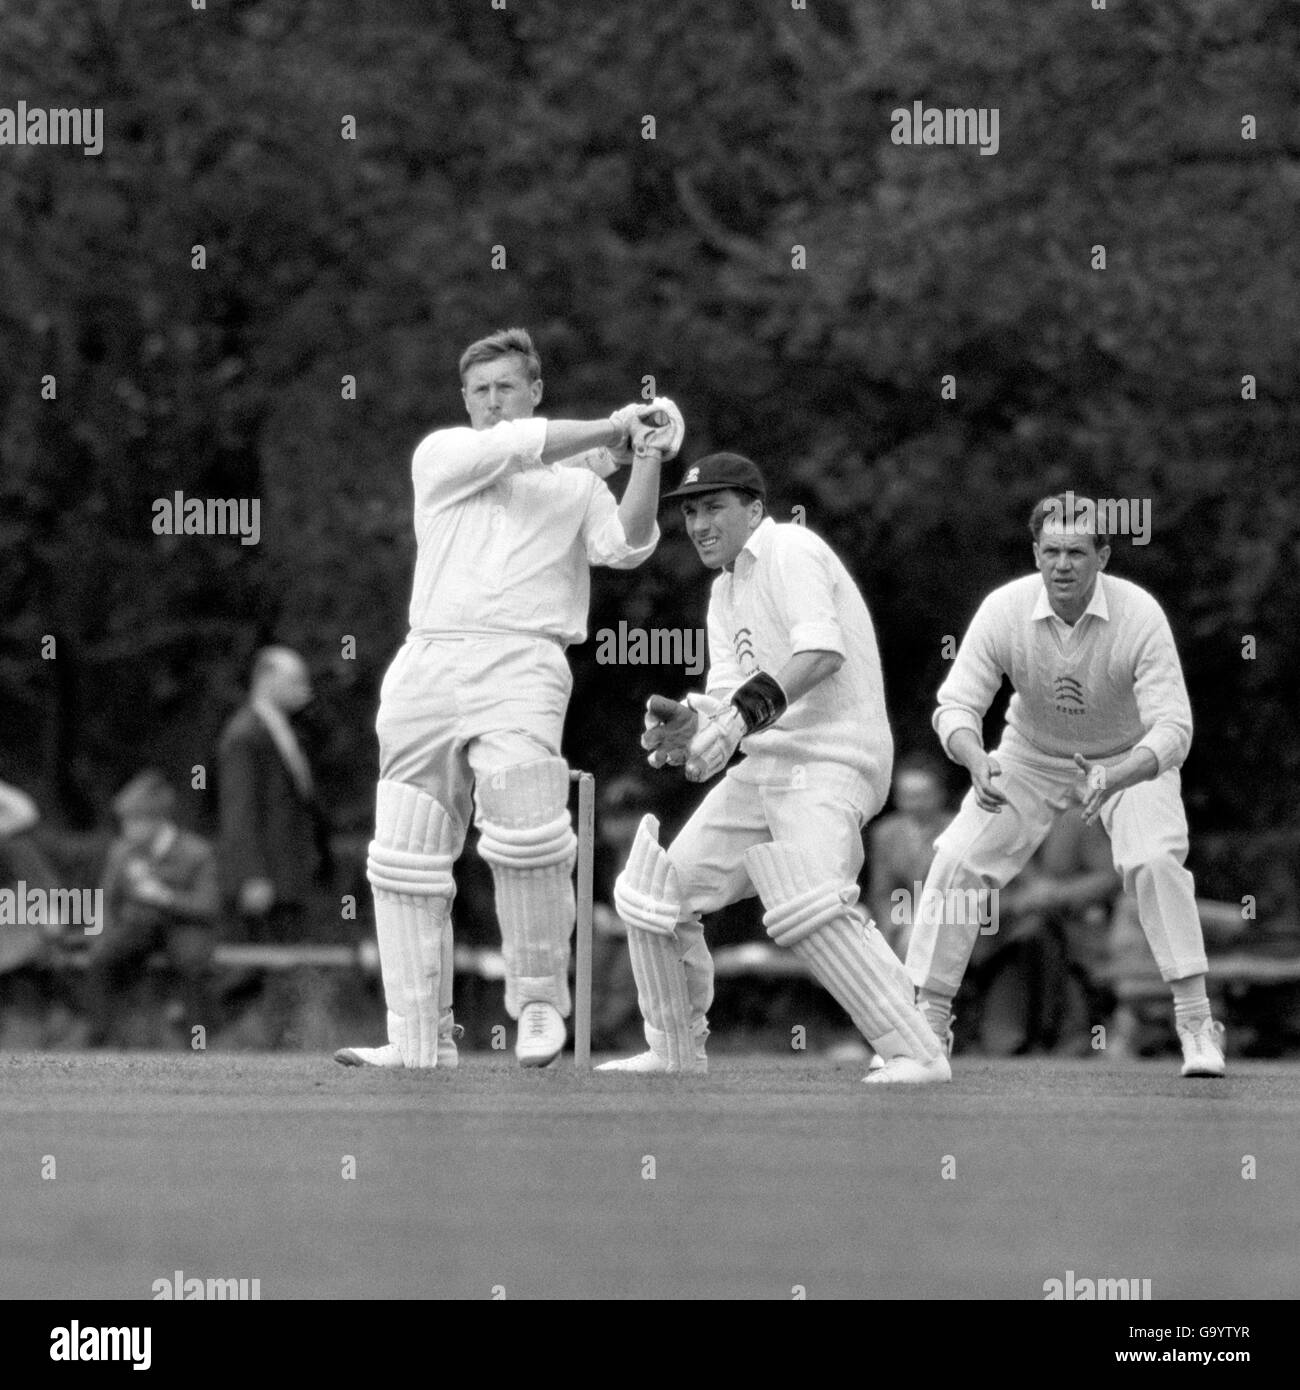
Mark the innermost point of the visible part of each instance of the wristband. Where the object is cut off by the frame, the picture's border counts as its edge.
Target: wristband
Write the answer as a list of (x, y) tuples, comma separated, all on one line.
[(761, 702)]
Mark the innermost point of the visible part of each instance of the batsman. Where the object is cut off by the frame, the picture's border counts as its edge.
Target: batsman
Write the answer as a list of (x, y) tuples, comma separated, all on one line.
[(795, 684), (510, 514)]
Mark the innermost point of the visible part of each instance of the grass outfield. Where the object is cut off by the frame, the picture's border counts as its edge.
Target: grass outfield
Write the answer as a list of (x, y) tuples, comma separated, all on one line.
[(768, 1174)]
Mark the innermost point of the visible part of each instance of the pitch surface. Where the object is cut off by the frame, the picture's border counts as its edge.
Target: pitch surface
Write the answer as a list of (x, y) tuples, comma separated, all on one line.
[(764, 1178)]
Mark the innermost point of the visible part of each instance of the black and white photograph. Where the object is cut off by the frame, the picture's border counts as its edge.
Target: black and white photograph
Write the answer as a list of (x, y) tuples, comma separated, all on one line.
[(648, 652)]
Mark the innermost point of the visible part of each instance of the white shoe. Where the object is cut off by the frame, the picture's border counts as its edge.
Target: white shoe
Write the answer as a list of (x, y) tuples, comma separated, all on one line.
[(1203, 1049), (907, 1071), (389, 1055), (877, 1062), (542, 1035), (650, 1063), (386, 1056)]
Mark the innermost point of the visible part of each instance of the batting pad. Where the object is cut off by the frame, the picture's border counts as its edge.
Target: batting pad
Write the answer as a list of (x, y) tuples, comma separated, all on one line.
[(648, 899), (526, 836), (409, 868), (850, 959)]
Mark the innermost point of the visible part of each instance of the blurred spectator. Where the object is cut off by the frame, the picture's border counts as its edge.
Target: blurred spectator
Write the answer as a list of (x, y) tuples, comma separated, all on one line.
[(901, 844), (160, 893), (274, 838), (20, 862), (1041, 973)]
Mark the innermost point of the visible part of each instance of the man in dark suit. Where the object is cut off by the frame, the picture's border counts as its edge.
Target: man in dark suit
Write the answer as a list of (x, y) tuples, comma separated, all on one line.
[(272, 831)]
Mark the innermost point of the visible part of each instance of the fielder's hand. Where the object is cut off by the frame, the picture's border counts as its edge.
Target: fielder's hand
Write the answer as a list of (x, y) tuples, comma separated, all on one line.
[(982, 773), (1092, 787), (669, 728), (712, 747)]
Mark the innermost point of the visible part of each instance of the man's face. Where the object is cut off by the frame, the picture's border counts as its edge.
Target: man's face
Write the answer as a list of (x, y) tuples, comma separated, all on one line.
[(1069, 563), (719, 524), (500, 390), (288, 685), (918, 794)]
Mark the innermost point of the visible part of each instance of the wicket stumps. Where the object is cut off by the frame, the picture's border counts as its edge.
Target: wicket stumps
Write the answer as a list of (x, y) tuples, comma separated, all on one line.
[(583, 891)]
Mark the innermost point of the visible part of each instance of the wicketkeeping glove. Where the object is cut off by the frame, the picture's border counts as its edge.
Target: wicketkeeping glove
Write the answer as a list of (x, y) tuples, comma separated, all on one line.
[(754, 706), (669, 728)]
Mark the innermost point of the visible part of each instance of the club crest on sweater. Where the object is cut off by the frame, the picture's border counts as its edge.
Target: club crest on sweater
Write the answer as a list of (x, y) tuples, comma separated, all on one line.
[(1067, 694)]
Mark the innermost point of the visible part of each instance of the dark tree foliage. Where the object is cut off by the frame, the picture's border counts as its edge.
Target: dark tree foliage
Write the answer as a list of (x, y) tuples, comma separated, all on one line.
[(630, 257)]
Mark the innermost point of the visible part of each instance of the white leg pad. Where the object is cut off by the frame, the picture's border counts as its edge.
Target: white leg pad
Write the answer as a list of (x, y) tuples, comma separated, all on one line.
[(818, 921), (410, 873), (527, 838), (648, 900)]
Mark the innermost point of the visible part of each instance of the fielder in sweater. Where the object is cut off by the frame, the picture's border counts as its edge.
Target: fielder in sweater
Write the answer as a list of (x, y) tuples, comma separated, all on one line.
[(794, 683), (1099, 722)]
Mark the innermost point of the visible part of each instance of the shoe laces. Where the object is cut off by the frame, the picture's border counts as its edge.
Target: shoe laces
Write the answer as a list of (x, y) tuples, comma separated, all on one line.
[(536, 1022)]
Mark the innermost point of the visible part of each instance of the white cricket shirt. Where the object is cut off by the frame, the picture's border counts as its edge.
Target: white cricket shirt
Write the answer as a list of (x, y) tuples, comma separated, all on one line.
[(505, 541), (789, 592)]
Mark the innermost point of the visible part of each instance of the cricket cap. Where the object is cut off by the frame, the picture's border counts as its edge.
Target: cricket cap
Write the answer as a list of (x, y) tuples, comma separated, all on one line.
[(715, 472)]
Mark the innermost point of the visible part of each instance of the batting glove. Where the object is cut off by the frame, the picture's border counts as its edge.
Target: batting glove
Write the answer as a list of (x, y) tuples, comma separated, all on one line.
[(628, 418), (676, 427)]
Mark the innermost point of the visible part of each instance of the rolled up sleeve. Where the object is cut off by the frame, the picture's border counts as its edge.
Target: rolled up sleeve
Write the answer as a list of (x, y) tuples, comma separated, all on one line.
[(606, 541), (808, 596)]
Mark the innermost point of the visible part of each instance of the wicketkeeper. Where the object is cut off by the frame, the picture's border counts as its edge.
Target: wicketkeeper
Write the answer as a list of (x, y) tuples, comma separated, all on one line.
[(473, 706), (794, 683), (1099, 722)]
